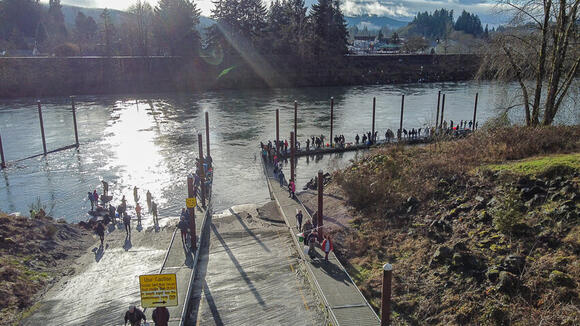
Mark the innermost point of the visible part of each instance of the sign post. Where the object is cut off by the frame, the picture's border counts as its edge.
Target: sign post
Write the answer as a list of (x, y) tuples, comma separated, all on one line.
[(158, 290)]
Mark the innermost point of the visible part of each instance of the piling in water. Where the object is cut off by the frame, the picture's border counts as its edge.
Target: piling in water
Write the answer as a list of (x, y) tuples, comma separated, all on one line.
[(41, 127), (74, 112)]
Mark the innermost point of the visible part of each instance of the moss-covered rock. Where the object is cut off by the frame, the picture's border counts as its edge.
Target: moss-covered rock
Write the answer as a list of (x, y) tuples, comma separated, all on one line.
[(559, 278)]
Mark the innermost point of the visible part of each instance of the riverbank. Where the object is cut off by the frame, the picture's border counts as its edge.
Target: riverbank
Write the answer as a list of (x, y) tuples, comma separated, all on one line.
[(34, 254), (55, 76), (480, 231)]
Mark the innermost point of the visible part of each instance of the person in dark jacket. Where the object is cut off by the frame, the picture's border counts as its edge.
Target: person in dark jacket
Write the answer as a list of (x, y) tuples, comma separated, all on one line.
[(134, 316), (100, 229), (160, 316)]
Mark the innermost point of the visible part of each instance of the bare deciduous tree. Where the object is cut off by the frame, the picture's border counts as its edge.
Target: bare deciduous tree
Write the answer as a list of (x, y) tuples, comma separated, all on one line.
[(540, 49)]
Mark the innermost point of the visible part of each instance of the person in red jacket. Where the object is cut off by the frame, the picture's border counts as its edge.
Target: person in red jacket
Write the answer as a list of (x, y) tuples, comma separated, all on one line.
[(160, 316), (327, 246)]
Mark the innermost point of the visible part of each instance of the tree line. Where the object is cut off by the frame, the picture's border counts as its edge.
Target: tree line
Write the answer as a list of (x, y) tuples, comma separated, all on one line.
[(286, 27)]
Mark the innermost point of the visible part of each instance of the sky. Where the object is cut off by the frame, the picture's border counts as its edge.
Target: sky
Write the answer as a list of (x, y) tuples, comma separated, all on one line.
[(404, 10)]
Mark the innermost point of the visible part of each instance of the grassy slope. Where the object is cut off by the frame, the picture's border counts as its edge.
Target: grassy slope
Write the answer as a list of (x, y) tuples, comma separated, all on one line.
[(473, 248)]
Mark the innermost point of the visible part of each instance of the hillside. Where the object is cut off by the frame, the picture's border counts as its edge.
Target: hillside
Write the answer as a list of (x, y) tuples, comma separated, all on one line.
[(70, 13), (483, 230), (374, 22)]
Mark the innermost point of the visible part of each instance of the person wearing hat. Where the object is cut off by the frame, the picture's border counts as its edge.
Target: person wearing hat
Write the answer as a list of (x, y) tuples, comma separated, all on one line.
[(134, 316)]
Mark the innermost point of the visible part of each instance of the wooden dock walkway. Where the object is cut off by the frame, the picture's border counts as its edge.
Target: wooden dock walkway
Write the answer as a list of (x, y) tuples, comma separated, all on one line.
[(341, 297), (350, 147)]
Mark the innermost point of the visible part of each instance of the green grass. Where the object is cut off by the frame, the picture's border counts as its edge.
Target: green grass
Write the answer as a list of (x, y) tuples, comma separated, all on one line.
[(538, 165)]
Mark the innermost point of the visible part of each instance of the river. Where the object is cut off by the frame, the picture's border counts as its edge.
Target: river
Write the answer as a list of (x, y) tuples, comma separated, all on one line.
[(150, 141)]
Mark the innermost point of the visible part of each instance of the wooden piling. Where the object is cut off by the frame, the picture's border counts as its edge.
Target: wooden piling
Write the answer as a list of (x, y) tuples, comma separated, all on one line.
[(437, 117), (295, 120), (386, 295), (41, 127), (474, 111), (292, 156), (201, 169), (3, 163), (373, 124), (402, 109), (207, 133), (331, 119), (442, 110), (74, 112), (191, 210), (278, 132), (320, 203)]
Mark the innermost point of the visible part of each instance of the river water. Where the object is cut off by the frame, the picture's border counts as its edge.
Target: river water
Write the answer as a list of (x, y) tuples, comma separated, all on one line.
[(150, 141)]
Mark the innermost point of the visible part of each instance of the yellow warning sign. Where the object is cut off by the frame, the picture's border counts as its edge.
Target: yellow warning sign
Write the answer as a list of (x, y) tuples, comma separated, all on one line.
[(191, 202), (159, 290)]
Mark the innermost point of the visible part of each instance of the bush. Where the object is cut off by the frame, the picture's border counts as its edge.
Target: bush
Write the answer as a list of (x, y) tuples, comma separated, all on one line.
[(508, 214)]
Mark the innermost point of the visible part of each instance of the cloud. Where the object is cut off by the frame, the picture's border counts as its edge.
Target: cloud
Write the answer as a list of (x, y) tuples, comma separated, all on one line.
[(361, 7), (406, 10)]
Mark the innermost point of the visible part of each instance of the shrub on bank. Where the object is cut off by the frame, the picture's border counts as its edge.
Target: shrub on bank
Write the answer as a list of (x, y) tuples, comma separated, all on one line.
[(381, 181)]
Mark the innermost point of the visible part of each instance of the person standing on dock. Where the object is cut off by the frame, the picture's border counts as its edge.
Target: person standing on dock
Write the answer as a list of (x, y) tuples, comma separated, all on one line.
[(281, 178), (183, 225), (135, 195), (356, 139), (364, 139), (112, 214), (124, 204), (149, 201), (327, 247), (299, 220), (291, 188)]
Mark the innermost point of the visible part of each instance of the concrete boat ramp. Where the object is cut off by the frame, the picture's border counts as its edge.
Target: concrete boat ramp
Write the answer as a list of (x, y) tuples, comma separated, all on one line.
[(106, 279)]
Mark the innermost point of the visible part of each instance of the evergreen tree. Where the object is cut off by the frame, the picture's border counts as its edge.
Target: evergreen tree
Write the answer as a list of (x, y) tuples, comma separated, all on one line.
[(175, 27), (329, 29), (240, 25), (19, 17), (469, 23), (108, 32), (85, 30), (55, 22), (432, 25)]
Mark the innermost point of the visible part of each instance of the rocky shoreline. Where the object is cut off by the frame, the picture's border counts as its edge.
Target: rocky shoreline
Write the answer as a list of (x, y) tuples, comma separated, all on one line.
[(34, 254)]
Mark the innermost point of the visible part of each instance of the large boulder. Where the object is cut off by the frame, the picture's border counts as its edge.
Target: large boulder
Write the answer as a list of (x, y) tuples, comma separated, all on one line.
[(513, 264)]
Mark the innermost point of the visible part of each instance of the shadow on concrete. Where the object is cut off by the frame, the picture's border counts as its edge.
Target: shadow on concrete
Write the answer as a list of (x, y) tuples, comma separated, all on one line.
[(248, 230), (199, 282), (99, 252), (238, 266), (128, 245), (330, 269), (212, 306)]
